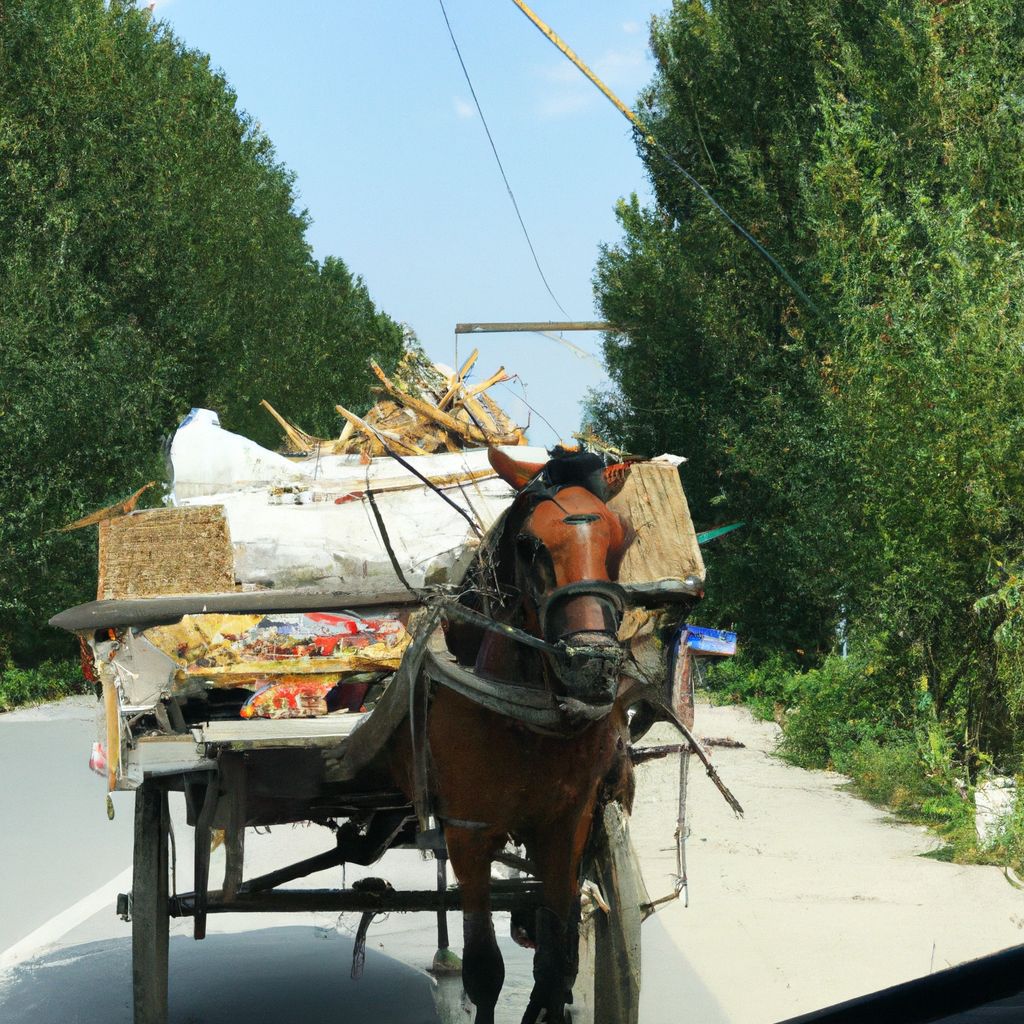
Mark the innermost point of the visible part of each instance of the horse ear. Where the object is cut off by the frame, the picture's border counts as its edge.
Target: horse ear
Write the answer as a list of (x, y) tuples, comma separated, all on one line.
[(516, 474), (615, 477)]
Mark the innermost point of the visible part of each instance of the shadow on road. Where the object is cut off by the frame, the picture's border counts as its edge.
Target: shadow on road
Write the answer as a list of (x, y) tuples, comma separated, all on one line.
[(275, 975)]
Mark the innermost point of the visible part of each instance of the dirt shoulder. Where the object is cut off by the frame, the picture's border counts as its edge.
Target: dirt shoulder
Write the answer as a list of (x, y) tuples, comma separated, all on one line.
[(813, 897)]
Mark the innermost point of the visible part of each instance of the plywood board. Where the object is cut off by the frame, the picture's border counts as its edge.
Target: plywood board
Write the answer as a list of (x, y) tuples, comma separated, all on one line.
[(666, 544), (166, 551)]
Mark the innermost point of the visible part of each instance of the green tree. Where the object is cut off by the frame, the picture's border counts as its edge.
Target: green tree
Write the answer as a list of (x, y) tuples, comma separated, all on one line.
[(151, 259), (875, 149)]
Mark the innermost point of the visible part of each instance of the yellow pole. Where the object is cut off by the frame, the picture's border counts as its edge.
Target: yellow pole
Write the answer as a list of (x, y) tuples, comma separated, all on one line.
[(654, 144), (578, 61)]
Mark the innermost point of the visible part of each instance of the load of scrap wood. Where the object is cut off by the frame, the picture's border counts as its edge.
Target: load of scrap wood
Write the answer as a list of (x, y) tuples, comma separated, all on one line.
[(423, 409)]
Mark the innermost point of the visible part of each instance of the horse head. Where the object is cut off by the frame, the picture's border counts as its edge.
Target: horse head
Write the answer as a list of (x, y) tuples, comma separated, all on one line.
[(567, 545)]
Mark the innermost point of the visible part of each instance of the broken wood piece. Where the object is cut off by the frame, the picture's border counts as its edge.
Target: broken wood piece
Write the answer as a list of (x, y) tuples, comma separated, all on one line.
[(465, 431), (595, 443), (373, 434), (121, 508), (481, 416), (498, 377), (455, 383), (299, 439), (507, 427)]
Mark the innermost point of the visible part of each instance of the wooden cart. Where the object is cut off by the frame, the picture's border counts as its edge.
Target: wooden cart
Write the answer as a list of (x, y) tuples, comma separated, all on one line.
[(236, 774)]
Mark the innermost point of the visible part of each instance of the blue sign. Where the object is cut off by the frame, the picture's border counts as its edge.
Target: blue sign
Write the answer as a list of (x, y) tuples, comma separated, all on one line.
[(702, 640)]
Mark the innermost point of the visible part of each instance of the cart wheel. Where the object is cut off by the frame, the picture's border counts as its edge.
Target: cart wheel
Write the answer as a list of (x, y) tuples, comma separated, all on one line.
[(617, 932), (150, 918)]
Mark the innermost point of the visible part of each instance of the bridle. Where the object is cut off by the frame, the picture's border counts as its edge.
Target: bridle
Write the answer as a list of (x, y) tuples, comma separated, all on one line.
[(555, 622), (584, 657)]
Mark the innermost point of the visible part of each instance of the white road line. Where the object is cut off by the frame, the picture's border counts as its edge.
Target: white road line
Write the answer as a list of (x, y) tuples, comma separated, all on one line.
[(57, 927)]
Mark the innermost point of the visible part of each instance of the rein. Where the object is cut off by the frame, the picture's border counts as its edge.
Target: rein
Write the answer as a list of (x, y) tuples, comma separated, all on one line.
[(455, 610), (519, 701)]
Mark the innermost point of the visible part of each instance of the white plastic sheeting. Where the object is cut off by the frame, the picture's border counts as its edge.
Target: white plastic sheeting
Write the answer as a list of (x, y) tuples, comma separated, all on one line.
[(994, 800), (306, 522)]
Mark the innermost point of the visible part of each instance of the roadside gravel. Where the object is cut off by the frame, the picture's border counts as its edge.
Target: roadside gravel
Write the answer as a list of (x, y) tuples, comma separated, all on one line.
[(813, 897)]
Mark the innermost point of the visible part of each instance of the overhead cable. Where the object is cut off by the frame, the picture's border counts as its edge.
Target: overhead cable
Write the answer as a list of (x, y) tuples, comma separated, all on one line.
[(652, 143), (494, 150)]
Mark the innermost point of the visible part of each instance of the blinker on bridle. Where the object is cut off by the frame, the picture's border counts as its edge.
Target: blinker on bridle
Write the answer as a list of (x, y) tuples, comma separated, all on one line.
[(552, 608)]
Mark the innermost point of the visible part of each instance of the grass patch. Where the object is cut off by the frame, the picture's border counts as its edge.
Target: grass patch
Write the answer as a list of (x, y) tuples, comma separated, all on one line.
[(51, 680)]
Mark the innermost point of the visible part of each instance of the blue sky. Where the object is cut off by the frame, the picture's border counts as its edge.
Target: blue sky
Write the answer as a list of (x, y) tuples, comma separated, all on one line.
[(367, 104)]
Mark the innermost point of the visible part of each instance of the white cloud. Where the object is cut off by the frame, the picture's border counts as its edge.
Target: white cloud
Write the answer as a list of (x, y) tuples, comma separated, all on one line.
[(563, 71), (631, 27), (621, 66), (563, 104), (625, 71), (463, 109)]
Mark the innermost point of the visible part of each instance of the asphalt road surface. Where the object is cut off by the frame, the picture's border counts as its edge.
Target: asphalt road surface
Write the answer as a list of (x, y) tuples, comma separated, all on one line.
[(66, 958), (58, 845)]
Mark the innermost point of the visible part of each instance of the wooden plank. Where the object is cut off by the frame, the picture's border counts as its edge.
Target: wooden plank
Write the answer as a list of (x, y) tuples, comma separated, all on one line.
[(617, 938), (372, 433), (504, 897), (166, 551), (233, 779), (455, 383), (467, 432), (150, 906), (666, 544), (331, 727), (152, 610), (535, 325)]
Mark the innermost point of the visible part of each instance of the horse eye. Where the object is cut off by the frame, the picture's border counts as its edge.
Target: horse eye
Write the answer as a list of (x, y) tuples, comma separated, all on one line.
[(580, 518)]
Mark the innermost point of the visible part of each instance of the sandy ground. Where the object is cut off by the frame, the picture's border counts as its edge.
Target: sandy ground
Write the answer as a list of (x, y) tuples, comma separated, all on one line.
[(813, 897)]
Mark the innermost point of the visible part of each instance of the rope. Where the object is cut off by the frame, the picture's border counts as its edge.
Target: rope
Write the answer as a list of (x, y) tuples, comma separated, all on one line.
[(430, 483), (494, 150), (387, 543)]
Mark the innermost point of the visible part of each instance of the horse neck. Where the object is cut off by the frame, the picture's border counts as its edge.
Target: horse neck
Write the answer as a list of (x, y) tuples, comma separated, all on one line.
[(497, 655)]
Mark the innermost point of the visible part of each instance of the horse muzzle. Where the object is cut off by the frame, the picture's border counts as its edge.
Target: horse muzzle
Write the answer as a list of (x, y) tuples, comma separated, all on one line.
[(588, 606), (582, 620)]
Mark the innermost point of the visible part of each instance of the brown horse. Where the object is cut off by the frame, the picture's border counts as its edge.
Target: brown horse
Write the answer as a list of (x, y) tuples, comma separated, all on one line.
[(493, 776)]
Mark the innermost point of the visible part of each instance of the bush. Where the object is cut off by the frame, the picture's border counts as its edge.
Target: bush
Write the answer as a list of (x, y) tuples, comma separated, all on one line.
[(1008, 845), (825, 712), (849, 717), (49, 681), (761, 687)]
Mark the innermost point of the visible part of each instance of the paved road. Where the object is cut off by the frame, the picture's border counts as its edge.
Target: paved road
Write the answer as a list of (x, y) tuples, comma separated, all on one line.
[(270, 974), (251, 968), (58, 844)]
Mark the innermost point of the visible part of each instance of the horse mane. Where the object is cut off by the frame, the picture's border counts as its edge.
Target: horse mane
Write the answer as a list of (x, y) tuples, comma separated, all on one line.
[(568, 468)]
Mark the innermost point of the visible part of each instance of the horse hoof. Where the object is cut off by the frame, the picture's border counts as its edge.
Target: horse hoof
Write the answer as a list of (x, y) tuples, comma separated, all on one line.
[(536, 1014)]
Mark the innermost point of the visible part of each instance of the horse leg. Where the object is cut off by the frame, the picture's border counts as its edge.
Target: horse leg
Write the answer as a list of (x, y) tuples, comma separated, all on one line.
[(483, 970), (557, 858)]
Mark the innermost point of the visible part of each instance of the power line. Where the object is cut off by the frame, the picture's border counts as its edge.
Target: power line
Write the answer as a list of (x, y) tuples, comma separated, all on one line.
[(494, 150), (653, 144)]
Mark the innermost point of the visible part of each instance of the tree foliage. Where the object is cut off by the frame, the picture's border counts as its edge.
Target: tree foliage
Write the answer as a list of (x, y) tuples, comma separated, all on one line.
[(875, 149), (151, 259)]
